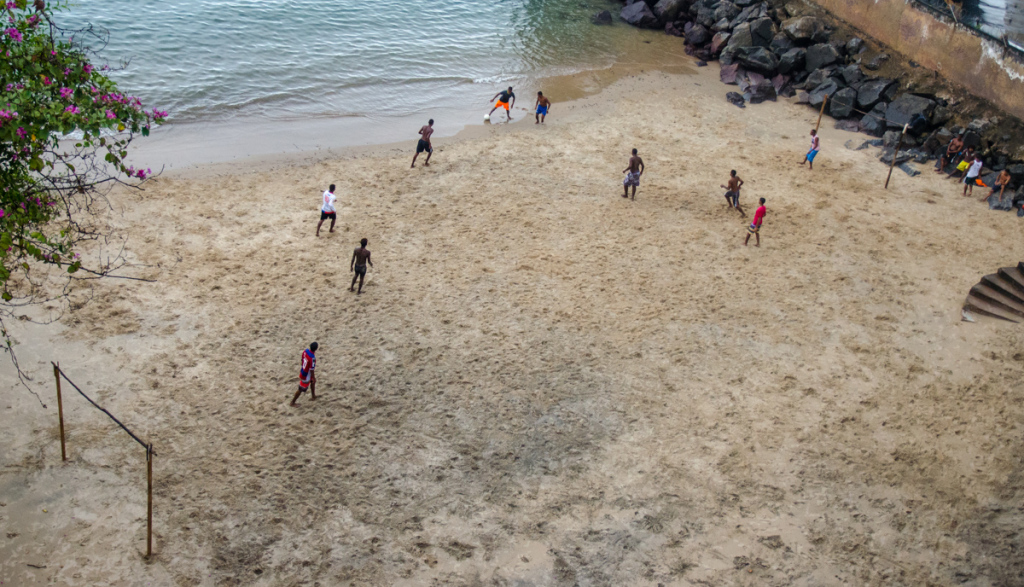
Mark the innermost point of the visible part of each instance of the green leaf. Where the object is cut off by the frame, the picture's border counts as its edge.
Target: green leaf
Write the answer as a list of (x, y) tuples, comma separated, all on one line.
[(7, 296)]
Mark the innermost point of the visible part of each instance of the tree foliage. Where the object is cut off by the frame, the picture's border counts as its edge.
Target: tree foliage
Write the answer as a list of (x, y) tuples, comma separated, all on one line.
[(65, 130)]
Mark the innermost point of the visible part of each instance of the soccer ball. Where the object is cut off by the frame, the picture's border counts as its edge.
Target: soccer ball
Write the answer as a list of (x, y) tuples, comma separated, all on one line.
[(487, 117)]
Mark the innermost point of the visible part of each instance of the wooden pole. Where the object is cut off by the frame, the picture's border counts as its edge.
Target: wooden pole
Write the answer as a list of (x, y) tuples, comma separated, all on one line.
[(820, 114), (149, 513), (60, 414), (892, 163)]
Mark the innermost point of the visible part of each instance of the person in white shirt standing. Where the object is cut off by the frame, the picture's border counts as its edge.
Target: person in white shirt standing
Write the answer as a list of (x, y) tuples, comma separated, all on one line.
[(973, 173), (327, 210)]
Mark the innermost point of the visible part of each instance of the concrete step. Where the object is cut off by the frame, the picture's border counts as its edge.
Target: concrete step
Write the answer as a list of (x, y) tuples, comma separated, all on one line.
[(996, 296), (1015, 275), (987, 308), (1004, 285)]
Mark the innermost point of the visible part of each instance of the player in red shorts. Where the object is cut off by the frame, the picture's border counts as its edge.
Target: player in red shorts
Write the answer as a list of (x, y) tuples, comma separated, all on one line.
[(307, 373)]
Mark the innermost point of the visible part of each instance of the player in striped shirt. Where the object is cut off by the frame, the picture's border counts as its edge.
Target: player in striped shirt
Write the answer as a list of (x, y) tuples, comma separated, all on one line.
[(307, 373)]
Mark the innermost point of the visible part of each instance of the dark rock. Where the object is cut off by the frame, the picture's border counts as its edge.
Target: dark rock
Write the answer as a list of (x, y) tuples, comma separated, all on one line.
[(980, 125), (746, 15), (908, 169), (745, 3), (805, 29), (780, 44), (741, 36), (763, 31), (1005, 204), (803, 97), (729, 73), (877, 61), (687, 26), (941, 115), (728, 55), (703, 54), (852, 74), (705, 17), (736, 99), (1016, 173), (829, 88), (762, 91), (719, 41), (920, 156), (702, 63), (603, 17), (820, 55), (903, 109), (848, 125), (721, 26), (726, 10), (854, 46), (792, 60), (817, 77), (872, 91), (698, 35), (639, 14), (758, 59), (754, 78), (890, 138), (672, 29), (669, 10), (780, 81), (972, 139), (873, 123), (842, 103), (887, 154)]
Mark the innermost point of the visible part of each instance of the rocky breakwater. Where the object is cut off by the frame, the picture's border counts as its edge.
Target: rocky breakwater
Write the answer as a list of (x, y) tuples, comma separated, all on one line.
[(771, 49)]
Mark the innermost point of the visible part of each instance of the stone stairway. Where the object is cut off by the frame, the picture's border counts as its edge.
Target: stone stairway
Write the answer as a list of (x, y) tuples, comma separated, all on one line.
[(1000, 295)]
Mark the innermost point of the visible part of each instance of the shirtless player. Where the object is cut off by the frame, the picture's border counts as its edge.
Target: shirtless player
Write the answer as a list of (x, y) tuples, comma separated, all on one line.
[(424, 144), (542, 106), (360, 257), (732, 197), (633, 173)]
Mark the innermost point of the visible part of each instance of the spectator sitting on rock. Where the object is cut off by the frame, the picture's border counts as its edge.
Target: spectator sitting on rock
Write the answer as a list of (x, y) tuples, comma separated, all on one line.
[(1000, 185), (956, 144)]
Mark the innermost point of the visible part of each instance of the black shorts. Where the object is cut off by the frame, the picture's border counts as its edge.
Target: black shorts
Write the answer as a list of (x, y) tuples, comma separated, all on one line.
[(424, 146), (361, 270), (326, 215), (733, 197)]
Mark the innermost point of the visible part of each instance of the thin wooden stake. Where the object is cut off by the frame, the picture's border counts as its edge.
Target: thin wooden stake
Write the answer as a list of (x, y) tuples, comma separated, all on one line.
[(892, 163), (149, 513), (60, 414), (820, 114)]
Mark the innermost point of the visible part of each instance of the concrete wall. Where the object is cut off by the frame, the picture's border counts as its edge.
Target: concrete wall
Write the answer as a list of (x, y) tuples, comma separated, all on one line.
[(960, 56)]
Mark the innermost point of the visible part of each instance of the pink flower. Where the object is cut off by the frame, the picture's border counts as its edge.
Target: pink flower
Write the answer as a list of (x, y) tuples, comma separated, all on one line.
[(66, 92), (14, 34), (87, 69), (2, 213), (72, 109), (111, 115), (22, 133)]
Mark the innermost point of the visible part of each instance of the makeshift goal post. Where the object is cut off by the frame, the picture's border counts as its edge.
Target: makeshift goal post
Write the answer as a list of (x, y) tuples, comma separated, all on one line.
[(57, 375)]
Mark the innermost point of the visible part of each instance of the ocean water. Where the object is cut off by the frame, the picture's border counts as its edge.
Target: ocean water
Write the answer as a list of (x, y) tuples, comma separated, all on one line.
[(276, 60)]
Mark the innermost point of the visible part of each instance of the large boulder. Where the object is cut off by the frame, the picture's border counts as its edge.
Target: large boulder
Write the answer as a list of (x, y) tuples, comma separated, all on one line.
[(639, 14), (762, 91), (818, 94), (698, 35), (762, 31), (903, 109), (792, 60), (873, 123), (706, 17), (758, 59), (820, 55), (817, 77), (1016, 172), (719, 41), (842, 103), (873, 91), (741, 36), (669, 10), (805, 29)]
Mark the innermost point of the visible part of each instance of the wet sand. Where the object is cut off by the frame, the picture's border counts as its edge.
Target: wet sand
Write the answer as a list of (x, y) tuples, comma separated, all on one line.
[(542, 383)]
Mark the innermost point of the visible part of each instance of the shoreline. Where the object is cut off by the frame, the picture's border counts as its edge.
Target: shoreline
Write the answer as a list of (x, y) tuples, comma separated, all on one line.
[(190, 147)]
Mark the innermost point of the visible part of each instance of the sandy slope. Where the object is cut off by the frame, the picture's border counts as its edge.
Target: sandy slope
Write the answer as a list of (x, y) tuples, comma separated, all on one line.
[(543, 384)]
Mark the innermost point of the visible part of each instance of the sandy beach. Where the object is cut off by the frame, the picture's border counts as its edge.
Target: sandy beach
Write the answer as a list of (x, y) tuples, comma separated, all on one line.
[(542, 383)]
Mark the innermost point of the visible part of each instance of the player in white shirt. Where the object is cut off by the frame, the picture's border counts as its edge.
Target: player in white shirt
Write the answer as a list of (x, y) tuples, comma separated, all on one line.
[(327, 210), (973, 175)]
